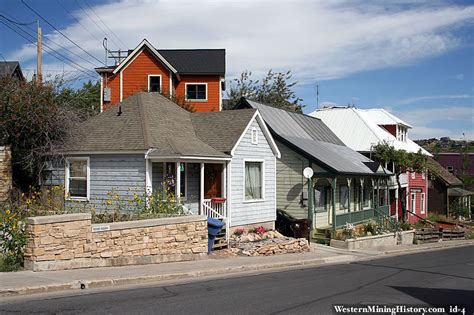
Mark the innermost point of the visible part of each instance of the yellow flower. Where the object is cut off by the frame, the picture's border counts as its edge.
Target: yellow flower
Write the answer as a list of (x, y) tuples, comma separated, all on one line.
[(7, 212)]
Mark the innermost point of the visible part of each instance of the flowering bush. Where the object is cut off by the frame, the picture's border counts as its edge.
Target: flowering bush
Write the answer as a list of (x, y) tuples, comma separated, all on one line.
[(12, 239), (348, 230), (239, 231), (260, 230)]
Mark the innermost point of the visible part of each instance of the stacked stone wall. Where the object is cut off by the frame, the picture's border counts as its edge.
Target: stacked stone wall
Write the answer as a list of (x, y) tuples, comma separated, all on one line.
[(71, 241), (5, 172)]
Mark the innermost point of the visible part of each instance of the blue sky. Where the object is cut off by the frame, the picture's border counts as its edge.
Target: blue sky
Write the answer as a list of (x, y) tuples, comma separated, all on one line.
[(414, 58)]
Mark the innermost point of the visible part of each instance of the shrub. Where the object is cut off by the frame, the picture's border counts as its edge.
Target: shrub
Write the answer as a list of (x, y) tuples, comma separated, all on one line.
[(371, 227), (239, 231), (405, 226), (12, 240), (260, 230)]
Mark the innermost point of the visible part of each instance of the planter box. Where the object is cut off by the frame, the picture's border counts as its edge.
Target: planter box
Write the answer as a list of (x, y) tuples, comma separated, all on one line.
[(367, 242)]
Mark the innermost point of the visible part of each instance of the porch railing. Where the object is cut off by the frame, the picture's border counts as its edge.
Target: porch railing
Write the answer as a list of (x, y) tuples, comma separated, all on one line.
[(361, 215), (214, 209)]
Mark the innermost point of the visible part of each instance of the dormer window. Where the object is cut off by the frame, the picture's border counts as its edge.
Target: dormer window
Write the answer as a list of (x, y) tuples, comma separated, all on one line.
[(401, 133)]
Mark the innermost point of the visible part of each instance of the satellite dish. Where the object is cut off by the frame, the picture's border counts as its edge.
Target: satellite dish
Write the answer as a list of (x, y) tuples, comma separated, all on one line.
[(308, 172)]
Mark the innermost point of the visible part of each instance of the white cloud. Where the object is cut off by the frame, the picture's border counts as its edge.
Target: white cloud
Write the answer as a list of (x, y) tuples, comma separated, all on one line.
[(426, 122), (317, 40), (459, 76), (434, 97)]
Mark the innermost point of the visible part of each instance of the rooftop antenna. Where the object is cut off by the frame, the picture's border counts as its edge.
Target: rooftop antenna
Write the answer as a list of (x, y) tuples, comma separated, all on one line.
[(317, 95), (104, 44)]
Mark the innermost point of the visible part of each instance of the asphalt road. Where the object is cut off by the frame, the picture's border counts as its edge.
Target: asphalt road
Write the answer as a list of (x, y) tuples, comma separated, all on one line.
[(444, 277)]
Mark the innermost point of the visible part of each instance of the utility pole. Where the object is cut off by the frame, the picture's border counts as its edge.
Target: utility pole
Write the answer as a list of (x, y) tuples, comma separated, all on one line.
[(39, 73)]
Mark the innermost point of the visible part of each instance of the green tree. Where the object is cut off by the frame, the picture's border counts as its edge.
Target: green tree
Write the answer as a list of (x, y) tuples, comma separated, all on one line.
[(34, 120), (403, 161), (86, 99), (275, 89)]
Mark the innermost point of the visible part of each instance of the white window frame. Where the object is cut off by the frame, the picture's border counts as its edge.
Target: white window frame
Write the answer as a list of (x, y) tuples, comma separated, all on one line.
[(263, 181), (153, 76), (193, 99), (88, 178), (254, 135), (413, 202), (423, 175), (422, 203)]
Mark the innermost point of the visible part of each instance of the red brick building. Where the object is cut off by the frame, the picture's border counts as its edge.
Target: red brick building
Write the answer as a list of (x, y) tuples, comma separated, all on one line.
[(197, 75)]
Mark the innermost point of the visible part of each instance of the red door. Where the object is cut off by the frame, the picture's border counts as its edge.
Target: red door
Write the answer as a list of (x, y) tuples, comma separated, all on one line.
[(212, 180)]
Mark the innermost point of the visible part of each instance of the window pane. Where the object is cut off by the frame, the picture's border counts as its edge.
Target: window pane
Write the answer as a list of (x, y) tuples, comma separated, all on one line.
[(253, 180), (77, 168), (343, 197), (196, 91), (155, 83), (320, 198), (78, 188)]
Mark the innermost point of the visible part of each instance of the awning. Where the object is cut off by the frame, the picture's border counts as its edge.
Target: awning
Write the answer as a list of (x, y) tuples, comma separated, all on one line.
[(459, 192)]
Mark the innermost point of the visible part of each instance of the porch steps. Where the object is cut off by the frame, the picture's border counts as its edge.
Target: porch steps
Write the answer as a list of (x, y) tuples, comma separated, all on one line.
[(220, 241), (321, 236)]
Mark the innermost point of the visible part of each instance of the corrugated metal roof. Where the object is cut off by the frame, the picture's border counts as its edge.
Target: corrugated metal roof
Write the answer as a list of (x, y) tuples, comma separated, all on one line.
[(314, 139), (358, 131), (381, 117)]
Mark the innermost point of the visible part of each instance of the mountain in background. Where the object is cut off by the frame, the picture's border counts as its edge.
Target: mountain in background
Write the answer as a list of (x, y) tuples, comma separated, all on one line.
[(445, 144)]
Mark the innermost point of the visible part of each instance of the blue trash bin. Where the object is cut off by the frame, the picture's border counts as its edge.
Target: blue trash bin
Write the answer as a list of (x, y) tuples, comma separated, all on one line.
[(213, 228)]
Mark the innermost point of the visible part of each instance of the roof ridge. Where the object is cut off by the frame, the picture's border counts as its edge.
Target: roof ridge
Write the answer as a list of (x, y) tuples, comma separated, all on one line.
[(142, 120)]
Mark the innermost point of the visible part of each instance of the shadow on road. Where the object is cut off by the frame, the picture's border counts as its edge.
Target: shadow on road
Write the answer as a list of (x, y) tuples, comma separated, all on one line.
[(441, 297)]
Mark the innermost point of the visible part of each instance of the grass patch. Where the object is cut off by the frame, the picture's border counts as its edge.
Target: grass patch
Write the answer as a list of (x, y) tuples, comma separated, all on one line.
[(6, 267)]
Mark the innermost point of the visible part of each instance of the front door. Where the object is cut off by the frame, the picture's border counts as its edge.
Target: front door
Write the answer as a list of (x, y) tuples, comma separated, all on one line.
[(212, 180)]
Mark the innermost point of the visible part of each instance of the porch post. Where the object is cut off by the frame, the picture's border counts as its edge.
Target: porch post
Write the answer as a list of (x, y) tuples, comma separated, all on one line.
[(373, 193), (388, 195), (349, 180), (362, 194), (148, 177), (178, 181), (333, 184), (378, 193), (201, 188)]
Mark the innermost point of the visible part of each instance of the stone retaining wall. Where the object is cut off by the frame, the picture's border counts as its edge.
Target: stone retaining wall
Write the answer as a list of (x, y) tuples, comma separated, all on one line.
[(70, 241), (384, 240), (5, 173)]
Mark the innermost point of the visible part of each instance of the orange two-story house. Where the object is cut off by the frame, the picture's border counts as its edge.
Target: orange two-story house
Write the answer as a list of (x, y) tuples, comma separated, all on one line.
[(197, 75)]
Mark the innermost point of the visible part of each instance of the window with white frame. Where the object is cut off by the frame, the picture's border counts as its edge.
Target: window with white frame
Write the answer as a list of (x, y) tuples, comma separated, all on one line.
[(154, 83), (77, 177), (423, 175), (343, 197), (413, 202), (254, 136), (422, 203), (253, 180), (196, 91)]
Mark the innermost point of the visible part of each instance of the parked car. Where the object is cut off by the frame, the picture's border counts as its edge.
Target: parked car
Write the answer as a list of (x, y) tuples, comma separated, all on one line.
[(290, 226)]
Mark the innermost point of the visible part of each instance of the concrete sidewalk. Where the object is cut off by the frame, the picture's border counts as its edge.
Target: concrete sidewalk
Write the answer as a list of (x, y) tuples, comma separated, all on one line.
[(28, 282)]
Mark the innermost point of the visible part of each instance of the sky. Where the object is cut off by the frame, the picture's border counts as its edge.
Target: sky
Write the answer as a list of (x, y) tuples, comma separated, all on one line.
[(413, 58)]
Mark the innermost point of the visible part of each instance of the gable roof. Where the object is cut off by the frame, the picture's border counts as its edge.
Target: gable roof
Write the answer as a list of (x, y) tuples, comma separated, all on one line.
[(356, 128), (381, 117), (11, 68), (151, 122), (196, 61), (440, 172), (179, 61), (312, 138)]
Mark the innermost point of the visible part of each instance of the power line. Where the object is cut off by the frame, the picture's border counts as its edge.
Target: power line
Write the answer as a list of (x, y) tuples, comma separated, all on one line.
[(57, 30), (62, 47), (105, 24), (77, 21), (51, 51)]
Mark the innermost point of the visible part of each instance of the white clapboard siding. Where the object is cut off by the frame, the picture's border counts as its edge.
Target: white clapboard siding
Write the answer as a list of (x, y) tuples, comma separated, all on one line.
[(254, 212)]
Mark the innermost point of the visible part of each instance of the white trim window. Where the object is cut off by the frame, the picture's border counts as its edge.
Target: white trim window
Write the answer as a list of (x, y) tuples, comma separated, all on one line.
[(254, 135), (196, 91), (422, 203), (154, 83), (413, 202), (77, 179), (254, 180)]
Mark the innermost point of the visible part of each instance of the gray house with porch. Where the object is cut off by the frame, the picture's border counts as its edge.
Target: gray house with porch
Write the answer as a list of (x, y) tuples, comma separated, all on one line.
[(347, 186), (221, 164)]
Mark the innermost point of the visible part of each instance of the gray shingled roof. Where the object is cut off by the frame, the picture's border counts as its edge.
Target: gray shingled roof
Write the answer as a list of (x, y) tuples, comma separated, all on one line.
[(439, 171), (196, 61), (151, 121), (221, 129), (8, 68), (313, 138)]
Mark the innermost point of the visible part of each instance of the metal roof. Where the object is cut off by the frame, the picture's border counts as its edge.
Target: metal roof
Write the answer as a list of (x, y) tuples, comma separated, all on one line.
[(381, 117), (314, 139), (459, 192), (358, 131)]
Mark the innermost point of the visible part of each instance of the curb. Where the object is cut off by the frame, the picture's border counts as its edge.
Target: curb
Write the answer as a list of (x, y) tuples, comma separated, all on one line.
[(441, 245), (85, 284)]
